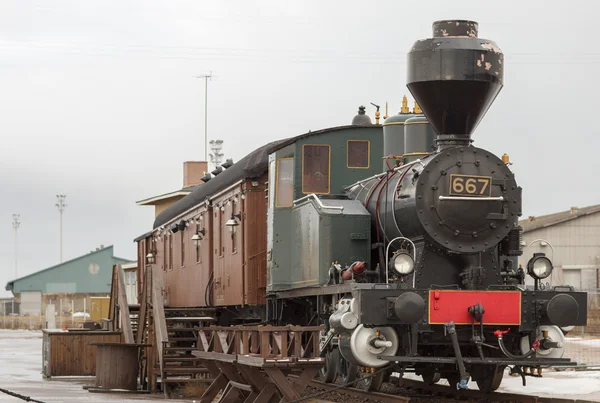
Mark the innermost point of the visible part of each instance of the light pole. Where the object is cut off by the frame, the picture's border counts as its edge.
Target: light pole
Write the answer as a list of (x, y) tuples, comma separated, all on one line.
[(16, 223), (61, 205), (206, 77)]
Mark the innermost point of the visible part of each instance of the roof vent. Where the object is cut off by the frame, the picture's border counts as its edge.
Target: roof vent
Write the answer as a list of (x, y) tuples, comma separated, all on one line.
[(228, 163), (206, 177), (217, 171)]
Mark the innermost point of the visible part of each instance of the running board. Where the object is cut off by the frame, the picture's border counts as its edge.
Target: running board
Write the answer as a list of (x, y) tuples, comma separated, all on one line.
[(530, 362)]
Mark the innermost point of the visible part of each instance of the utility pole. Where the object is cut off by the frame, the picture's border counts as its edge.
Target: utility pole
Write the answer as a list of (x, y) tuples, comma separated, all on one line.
[(61, 205), (16, 223), (206, 77)]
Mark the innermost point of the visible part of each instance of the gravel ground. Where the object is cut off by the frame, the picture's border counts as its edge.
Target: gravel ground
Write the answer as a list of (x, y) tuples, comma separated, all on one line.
[(341, 397)]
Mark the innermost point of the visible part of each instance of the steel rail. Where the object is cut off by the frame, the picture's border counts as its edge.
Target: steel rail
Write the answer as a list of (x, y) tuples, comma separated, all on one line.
[(382, 397), (489, 397), (442, 391)]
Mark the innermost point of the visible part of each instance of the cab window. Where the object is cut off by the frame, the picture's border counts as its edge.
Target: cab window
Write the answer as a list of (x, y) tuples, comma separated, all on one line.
[(315, 168), (357, 154), (285, 182)]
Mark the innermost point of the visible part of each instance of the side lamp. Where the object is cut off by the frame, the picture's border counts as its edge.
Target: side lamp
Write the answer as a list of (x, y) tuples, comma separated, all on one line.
[(150, 258)]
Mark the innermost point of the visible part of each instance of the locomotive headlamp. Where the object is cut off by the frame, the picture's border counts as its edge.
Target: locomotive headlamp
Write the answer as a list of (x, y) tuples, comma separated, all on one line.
[(403, 263), (539, 266)]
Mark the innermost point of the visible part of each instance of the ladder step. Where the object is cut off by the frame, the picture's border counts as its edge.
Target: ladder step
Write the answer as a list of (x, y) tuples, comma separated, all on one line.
[(183, 370), (183, 339), (188, 380), (190, 319), (181, 359)]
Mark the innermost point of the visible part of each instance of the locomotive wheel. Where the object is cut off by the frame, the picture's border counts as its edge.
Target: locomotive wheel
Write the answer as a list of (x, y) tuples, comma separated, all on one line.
[(347, 372), (370, 382), (329, 371), (492, 378)]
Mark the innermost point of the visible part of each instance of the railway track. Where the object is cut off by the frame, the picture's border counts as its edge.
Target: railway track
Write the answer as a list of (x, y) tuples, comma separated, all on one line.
[(418, 391)]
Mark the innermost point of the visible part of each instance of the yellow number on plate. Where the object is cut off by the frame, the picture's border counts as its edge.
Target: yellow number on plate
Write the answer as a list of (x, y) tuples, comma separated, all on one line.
[(485, 182), (470, 186), (457, 185)]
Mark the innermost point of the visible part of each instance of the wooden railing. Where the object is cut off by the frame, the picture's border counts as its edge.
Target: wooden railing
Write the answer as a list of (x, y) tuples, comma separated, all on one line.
[(251, 363), (268, 343)]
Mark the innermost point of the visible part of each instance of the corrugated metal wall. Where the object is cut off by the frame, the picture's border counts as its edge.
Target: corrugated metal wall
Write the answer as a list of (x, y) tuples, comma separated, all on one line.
[(576, 246)]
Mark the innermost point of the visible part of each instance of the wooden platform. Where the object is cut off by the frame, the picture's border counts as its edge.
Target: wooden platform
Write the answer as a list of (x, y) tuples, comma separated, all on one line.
[(252, 363)]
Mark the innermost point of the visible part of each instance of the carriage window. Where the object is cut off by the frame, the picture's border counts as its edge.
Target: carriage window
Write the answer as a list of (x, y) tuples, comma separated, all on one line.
[(197, 245), (315, 168), (285, 182), (170, 252), (221, 231), (182, 248), (233, 234), (165, 252), (358, 154)]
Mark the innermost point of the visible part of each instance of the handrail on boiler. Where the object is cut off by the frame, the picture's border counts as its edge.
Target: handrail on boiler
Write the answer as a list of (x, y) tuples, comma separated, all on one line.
[(396, 169), (319, 202), (471, 198)]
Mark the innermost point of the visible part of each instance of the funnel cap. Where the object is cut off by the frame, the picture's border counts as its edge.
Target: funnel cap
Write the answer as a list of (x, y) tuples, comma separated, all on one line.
[(455, 77)]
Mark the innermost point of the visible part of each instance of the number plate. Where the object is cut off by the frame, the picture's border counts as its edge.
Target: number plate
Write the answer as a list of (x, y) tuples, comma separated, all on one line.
[(470, 185)]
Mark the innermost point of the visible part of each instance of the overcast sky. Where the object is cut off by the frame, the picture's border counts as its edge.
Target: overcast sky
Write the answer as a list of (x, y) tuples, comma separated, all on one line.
[(98, 100)]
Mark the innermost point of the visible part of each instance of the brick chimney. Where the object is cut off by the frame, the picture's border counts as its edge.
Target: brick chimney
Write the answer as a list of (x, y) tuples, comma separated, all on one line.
[(193, 171)]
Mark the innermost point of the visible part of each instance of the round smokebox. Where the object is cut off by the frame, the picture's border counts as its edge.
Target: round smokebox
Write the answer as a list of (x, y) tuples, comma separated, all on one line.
[(562, 310), (409, 307)]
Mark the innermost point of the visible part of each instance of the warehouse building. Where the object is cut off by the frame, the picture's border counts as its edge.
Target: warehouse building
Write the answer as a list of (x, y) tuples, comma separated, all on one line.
[(571, 239), (69, 285)]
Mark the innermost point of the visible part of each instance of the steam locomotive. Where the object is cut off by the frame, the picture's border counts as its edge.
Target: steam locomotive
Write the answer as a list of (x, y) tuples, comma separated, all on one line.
[(410, 268)]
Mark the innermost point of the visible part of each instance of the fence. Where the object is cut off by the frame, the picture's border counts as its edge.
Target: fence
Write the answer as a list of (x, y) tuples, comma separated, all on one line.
[(39, 322), (66, 310), (583, 343)]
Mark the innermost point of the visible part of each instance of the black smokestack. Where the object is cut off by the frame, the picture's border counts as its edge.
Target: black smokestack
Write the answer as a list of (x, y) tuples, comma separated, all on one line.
[(455, 76)]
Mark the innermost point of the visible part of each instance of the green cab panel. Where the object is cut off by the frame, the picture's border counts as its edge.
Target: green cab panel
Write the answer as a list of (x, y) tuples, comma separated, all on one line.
[(340, 156), (325, 231)]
